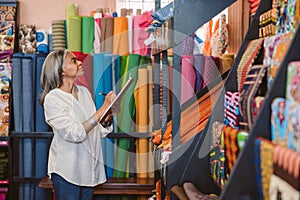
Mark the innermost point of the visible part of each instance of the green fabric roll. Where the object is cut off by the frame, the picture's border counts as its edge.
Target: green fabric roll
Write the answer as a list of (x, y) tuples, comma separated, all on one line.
[(87, 42), (126, 116), (144, 62), (74, 34), (71, 10)]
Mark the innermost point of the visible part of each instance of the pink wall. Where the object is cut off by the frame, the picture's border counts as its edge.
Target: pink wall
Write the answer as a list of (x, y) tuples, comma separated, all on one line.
[(42, 12)]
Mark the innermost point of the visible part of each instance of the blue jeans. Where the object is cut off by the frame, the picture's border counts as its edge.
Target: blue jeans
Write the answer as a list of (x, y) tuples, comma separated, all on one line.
[(65, 190)]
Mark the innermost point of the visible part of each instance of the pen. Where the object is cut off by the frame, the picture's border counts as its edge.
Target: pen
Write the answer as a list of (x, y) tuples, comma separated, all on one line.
[(102, 93)]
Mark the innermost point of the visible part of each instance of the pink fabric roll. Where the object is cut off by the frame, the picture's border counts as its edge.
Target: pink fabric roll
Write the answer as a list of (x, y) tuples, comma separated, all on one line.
[(140, 23), (97, 33), (188, 78)]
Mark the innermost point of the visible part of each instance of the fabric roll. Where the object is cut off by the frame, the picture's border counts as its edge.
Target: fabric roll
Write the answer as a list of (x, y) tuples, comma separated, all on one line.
[(74, 33), (199, 70), (211, 71), (107, 32), (71, 10), (40, 125), (108, 143), (151, 120), (87, 40), (28, 74), (140, 96), (125, 116), (98, 84), (27, 38), (130, 32), (42, 41), (58, 35), (50, 42), (87, 65), (188, 46), (115, 85), (188, 78), (120, 42), (226, 62), (97, 32), (140, 23)]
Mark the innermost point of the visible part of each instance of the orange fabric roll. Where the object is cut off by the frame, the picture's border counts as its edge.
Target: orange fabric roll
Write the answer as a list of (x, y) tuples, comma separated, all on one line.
[(140, 95), (120, 43)]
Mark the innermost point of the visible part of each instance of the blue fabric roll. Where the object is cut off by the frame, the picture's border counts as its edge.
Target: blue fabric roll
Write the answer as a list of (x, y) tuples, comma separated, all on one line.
[(28, 77), (108, 142), (98, 85), (41, 145), (50, 42), (17, 106)]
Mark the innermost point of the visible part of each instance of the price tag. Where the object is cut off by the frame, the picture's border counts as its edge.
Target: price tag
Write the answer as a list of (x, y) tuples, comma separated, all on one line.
[(149, 40)]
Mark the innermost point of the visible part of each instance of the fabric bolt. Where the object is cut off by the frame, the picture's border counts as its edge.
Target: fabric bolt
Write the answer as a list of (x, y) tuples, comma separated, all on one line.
[(257, 105), (4, 109), (280, 51), (74, 33), (42, 41), (108, 150), (120, 41), (211, 70), (258, 171), (270, 45), (226, 62), (107, 32), (217, 156), (208, 33), (7, 35), (7, 13), (98, 83), (5, 73), (58, 34), (71, 11), (293, 126), (87, 65), (266, 166), (142, 121), (219, 40), (188, 46), (28, 74), (27, 38), (279, 121), (41, 145), (87, 39), (126, 115), (97, 32), (130, 33), (293, 81), (199, 70), (188, 78), (140, 22), (231, 109)]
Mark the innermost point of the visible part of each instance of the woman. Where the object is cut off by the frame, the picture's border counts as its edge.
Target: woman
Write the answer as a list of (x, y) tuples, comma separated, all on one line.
[(75, 163)]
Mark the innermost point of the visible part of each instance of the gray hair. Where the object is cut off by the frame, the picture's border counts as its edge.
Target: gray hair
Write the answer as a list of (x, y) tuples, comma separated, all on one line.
[(51, 76)]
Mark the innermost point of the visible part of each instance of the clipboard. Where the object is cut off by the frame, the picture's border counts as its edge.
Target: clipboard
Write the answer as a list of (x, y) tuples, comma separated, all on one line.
[(118, 98)]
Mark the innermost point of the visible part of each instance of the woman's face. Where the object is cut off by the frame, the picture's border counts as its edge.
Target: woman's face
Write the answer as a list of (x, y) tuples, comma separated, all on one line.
[(71, 67)]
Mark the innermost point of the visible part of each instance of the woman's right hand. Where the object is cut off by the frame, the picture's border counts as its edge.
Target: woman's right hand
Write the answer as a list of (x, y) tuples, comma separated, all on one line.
[(107, 101)]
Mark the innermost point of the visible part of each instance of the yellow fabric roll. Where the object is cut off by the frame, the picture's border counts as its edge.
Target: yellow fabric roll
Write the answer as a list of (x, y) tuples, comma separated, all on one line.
[(71, 10), (140, 95), (74, 33), (120, 43)]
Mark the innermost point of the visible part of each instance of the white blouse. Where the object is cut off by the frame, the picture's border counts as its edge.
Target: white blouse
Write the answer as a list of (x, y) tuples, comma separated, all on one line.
[(74, 154)]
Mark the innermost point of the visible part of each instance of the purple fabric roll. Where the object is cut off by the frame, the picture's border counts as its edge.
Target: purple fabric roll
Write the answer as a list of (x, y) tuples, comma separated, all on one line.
[(188, 78), (199, 70), (188, 46)]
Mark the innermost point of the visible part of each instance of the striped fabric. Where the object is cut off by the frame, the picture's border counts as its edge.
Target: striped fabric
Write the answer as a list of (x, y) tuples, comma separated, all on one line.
[(58, 34)]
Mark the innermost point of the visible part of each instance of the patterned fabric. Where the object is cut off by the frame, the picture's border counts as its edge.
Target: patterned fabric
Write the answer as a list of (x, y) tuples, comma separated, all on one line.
[(231, 109), (7, 13), (266, 165), (280, 189), (251, 85), (219, 40), (294, 126), (270, 45), (211, 70), (246, 61), (5, 70), (286, 16), (188, 46), (267, 23), (231, 146), (293, 82), (4, 114), (27, 38), (217, 155), (257, 104), (280, 51), (279, 121)]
